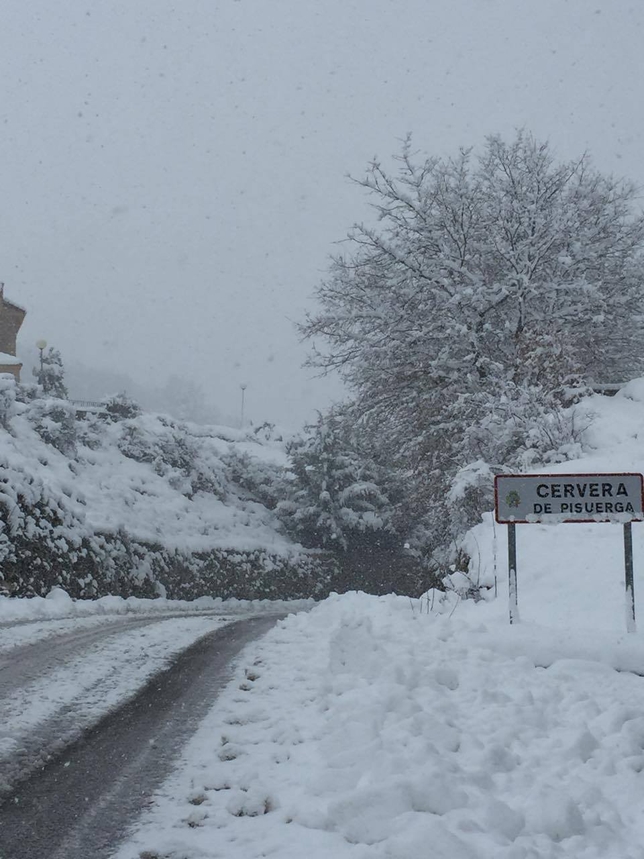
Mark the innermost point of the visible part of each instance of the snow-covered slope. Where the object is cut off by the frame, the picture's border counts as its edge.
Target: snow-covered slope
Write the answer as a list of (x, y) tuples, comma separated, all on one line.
[(160, 480), (104, 503)]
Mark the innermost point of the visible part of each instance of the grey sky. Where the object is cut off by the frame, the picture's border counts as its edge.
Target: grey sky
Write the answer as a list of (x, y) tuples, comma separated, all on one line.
[(173, 175)]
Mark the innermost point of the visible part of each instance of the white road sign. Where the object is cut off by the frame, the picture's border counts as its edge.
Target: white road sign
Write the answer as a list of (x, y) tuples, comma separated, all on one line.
[(522, 498)]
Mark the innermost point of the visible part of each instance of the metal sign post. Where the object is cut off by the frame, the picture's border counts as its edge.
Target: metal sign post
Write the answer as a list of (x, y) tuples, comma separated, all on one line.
[(628, 578), (556, 498), (512, 572)]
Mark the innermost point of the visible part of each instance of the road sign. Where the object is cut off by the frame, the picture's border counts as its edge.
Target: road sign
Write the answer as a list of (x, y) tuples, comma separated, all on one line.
[(523, 498), (553, 498)]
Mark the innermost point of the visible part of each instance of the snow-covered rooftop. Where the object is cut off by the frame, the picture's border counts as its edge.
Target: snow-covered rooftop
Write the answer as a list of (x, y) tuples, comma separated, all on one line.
[(12, 303)]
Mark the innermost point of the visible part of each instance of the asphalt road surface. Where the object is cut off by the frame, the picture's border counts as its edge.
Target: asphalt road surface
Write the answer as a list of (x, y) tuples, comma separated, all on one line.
[(25, 666), (80, 803)]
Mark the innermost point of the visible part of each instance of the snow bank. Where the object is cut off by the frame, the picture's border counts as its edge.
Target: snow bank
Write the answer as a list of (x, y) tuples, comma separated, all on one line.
[(365, 729), (58, 604)]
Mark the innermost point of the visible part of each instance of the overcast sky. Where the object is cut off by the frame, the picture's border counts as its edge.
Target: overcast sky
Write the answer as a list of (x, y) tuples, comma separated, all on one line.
[(174, 174)]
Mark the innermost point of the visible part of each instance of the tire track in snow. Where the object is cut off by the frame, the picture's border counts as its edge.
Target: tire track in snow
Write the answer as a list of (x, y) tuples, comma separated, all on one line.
[(54, 689), (81, 802), (25, 663)]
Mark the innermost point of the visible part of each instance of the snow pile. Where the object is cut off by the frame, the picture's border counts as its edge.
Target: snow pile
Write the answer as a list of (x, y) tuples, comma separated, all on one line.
[(365, 729), (58, 604)]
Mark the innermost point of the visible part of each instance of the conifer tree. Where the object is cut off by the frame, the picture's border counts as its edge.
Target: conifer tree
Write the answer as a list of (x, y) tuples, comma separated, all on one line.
[(50, 375), (334, 500)]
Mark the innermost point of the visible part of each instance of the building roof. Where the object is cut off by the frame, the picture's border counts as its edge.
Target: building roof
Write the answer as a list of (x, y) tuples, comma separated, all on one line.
[(7, 359), (10, 303), (13, 304)]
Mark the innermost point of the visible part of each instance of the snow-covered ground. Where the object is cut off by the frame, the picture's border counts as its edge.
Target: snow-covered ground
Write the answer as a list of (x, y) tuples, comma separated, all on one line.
[(369, 727)]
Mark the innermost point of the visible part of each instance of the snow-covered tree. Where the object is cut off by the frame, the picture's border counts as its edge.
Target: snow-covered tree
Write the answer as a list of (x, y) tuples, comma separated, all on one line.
[(50, 375), (492, 279), (335, 500)]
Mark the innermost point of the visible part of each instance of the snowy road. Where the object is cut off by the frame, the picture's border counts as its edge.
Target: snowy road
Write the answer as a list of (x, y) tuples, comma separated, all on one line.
[(55, 686), (79, 804), (22, 664)]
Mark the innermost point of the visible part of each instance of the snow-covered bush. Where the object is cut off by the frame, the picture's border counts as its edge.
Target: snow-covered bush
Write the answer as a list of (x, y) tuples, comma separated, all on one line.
[(264, 481), (7, 398), (471, 493), (523, 427), (121, 407), (522, 430), (184, 460), (40, 532), (55, 422)]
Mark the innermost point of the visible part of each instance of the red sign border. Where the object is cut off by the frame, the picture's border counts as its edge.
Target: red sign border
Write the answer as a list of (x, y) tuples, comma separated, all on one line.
[(568, 521)]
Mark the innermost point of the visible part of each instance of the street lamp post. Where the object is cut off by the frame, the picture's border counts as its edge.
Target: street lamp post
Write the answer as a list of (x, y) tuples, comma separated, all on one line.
[(243, 387), (41, 345)]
